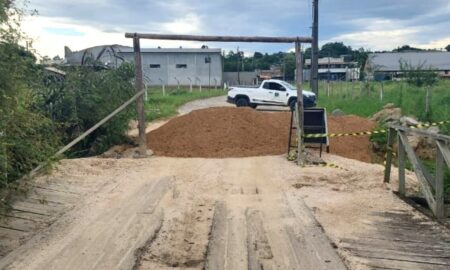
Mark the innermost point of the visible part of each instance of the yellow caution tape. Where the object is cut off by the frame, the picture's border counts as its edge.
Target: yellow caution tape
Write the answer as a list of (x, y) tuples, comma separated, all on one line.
[(379, 131), (317, 135), (430, 124)]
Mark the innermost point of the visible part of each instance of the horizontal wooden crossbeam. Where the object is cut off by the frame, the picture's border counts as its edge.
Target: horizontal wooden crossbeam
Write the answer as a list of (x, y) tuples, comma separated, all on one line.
[(221, 38)]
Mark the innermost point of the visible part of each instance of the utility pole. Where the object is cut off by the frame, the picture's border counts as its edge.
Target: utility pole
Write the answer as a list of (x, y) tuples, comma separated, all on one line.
[(315, 49), (328, 77), (238, 65)]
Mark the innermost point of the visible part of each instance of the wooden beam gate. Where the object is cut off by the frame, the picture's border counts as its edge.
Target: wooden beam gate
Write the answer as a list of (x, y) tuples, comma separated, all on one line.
[(140, 83), (432, 187)]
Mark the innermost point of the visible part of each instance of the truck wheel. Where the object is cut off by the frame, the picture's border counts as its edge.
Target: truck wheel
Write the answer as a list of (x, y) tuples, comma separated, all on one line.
[(242, 102), (253, 106), (292, 104)]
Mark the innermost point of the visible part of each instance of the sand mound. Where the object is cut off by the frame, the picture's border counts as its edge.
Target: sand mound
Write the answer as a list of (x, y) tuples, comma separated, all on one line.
[(355, 147), (241, 132), (222, 132)]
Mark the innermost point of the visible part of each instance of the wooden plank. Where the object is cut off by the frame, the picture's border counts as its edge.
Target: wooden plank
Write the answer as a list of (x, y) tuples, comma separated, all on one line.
[(381, 263), (390, 144), (427, 247), (313, 247), (401, 167), (418, 171), (444, 149), (258, 249), (439, 185), (424, 133), (262, 39), (217, 246), (416, 257)]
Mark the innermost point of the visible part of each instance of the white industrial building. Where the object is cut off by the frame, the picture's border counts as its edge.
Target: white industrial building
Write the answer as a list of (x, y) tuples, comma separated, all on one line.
[(181, 66), (331, 68), (387, 65)]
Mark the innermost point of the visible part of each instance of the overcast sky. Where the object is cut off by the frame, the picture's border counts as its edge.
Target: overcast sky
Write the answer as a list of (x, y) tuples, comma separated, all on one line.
[(372, 24)]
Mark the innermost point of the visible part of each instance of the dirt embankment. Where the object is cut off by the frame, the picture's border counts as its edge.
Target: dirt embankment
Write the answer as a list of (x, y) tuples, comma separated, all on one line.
[(242, 132)]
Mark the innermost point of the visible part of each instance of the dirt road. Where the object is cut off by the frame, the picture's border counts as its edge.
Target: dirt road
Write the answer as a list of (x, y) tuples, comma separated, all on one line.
[(169, 208), (196, 213)]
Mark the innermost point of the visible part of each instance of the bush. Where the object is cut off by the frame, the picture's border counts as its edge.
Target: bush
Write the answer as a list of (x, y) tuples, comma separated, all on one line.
[(86, 96), (27, 136)]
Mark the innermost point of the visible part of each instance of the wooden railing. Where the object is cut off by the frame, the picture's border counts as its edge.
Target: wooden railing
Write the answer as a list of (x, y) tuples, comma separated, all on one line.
[(432, 187)]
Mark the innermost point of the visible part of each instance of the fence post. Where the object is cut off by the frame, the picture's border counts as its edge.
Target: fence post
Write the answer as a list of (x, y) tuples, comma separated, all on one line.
[(140, 100), (390, 144), (190, 84), (381, 91), (439, 183), (401, 166)]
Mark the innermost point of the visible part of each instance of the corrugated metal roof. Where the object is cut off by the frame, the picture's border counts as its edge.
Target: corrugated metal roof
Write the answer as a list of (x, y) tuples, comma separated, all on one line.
[(127, 49), (391, 61), (172, 50)]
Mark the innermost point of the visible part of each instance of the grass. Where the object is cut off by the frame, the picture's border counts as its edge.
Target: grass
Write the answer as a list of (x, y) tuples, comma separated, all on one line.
[(365, 100), (356, 98), (159, 106)]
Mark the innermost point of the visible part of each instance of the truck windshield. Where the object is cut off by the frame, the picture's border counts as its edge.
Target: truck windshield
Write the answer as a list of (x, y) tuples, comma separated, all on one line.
[(288, 85)]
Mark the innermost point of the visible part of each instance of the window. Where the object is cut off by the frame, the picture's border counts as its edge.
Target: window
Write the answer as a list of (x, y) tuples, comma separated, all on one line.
[(274, 86), (155, 66), (181, 66)]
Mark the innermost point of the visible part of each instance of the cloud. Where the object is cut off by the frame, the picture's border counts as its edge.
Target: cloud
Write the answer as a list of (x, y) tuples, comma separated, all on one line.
[(378, 25), (188, 25), (51, 43)]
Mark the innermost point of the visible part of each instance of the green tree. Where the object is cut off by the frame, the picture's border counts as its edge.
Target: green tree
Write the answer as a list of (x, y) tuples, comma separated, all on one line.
[(407, 48), (334, 49), (447, 48)]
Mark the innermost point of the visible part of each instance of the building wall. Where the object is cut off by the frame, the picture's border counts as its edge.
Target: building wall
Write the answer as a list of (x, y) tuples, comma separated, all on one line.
[(196, 71), (245, 78)]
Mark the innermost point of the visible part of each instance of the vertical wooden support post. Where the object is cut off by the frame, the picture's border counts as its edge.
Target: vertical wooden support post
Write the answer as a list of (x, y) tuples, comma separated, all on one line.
[(299, 81), (139, 83), (439, 184), (401, 166), (388, 165)]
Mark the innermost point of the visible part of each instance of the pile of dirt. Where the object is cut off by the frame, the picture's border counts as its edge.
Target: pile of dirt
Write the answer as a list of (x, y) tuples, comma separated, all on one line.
[(355, 147), (222, 132), (242, 132)]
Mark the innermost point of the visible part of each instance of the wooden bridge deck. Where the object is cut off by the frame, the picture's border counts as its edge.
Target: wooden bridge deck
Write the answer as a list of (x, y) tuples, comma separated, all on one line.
[(402, 241)]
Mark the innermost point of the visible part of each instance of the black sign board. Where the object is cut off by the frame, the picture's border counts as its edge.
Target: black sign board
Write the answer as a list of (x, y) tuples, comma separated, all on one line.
[(315, 121)]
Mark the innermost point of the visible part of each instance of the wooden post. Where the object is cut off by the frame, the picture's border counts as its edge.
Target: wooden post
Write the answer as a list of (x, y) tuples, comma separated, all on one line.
[(381, 91), (390, 144), (140, 100), (299, 81), (401, 166), (439, 180)]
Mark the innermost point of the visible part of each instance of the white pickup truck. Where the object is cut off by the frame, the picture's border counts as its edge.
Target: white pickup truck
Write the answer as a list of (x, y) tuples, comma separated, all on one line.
[(270, 92)]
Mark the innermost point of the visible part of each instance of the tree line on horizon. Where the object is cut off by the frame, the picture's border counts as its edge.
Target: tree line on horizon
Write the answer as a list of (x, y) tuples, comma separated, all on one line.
[(236, 61)]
